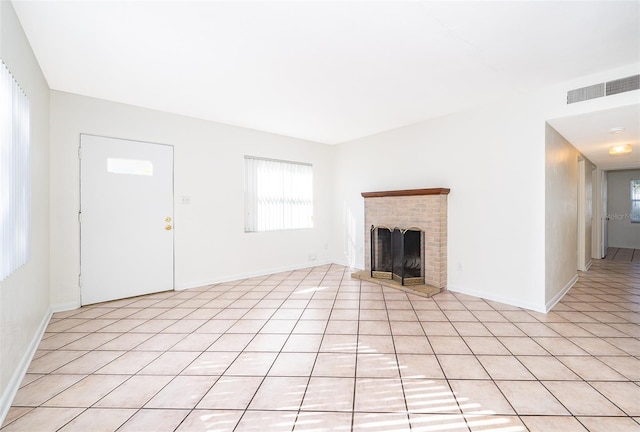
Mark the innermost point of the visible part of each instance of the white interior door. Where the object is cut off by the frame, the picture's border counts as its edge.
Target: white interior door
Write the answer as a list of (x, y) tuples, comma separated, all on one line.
[(126, 229)]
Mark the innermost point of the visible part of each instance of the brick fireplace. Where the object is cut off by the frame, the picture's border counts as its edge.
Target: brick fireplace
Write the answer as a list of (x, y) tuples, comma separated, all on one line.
[(425, 209)]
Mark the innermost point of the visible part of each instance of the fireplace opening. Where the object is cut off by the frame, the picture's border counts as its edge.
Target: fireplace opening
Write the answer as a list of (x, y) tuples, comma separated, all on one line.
[(397, 254)]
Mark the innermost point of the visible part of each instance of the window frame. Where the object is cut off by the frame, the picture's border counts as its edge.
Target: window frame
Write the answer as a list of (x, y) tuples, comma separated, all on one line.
[(294, 200), (635, 200), (15, 174)]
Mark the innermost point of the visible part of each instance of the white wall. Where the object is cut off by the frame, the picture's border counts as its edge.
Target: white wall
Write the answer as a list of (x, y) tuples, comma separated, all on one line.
[(210, 242), (24, 295), (492, 159), (561, 216), (622, 233)]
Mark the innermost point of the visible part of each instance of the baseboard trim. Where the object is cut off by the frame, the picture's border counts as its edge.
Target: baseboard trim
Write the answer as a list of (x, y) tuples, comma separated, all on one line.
[(551, 303), (347, 264), (239, 276), (63, 307), (588, 265), (16, 379), (499, 299)]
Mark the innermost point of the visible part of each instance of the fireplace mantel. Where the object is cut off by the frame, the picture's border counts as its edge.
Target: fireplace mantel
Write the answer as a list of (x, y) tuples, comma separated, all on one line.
[(406, 192)]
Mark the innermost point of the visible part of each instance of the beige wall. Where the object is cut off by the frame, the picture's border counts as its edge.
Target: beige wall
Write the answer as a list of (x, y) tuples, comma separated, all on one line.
[(24, 295), (561, 215)]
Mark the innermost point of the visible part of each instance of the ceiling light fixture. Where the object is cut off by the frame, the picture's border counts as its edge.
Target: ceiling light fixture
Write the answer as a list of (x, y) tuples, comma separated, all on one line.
[(620, 149), (616, 130)]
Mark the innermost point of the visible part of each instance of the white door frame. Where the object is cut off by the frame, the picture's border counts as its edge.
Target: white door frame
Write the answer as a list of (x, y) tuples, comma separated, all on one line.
[(599, 212), (582, 265), (126, 218)]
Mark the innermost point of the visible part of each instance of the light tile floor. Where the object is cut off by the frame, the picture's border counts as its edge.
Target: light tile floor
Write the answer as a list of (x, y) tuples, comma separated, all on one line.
[(622, 254), (314, 350)]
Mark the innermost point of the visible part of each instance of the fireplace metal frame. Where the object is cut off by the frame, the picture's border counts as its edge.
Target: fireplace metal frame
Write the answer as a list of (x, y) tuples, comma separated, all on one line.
[(379, 271), (397, 270)]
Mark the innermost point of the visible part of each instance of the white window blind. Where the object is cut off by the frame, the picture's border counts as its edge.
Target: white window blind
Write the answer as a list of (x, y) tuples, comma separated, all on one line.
[(635, 200), (278, 195), (15, 175)]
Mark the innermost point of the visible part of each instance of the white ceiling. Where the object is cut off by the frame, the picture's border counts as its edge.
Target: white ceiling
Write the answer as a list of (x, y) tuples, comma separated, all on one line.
[(593, 132), (327, 71)]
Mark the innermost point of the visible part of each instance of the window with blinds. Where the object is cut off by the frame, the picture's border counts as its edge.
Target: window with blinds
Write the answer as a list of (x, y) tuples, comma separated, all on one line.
[(15, 175), (635, 200), (278, 195)]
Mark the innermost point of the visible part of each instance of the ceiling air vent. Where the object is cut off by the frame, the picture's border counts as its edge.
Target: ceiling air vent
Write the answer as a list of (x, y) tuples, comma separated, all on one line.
[(585, 93), (623, 85), (604, 89)]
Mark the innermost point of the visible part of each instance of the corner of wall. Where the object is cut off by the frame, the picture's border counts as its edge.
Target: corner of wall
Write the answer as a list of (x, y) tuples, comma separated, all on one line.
[(551, 303), (63, 307)]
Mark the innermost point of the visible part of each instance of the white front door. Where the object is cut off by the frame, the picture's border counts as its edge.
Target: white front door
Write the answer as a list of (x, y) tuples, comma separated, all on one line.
[(126, 229)]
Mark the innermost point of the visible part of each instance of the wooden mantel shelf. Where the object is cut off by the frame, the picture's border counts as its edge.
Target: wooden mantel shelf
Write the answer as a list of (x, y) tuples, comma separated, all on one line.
[(408, 192)]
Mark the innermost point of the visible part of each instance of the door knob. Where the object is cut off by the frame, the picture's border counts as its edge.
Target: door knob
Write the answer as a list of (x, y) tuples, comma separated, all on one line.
[(168, 227), (167, 219)]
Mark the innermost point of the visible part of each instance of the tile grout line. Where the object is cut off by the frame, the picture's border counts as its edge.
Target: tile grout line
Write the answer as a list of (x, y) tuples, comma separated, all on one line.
[(357, 349), (608, 294), (291, 292), (467, 416)]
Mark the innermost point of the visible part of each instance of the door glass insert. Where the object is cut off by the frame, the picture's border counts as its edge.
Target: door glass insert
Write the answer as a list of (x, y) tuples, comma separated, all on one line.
[(130, 166)]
